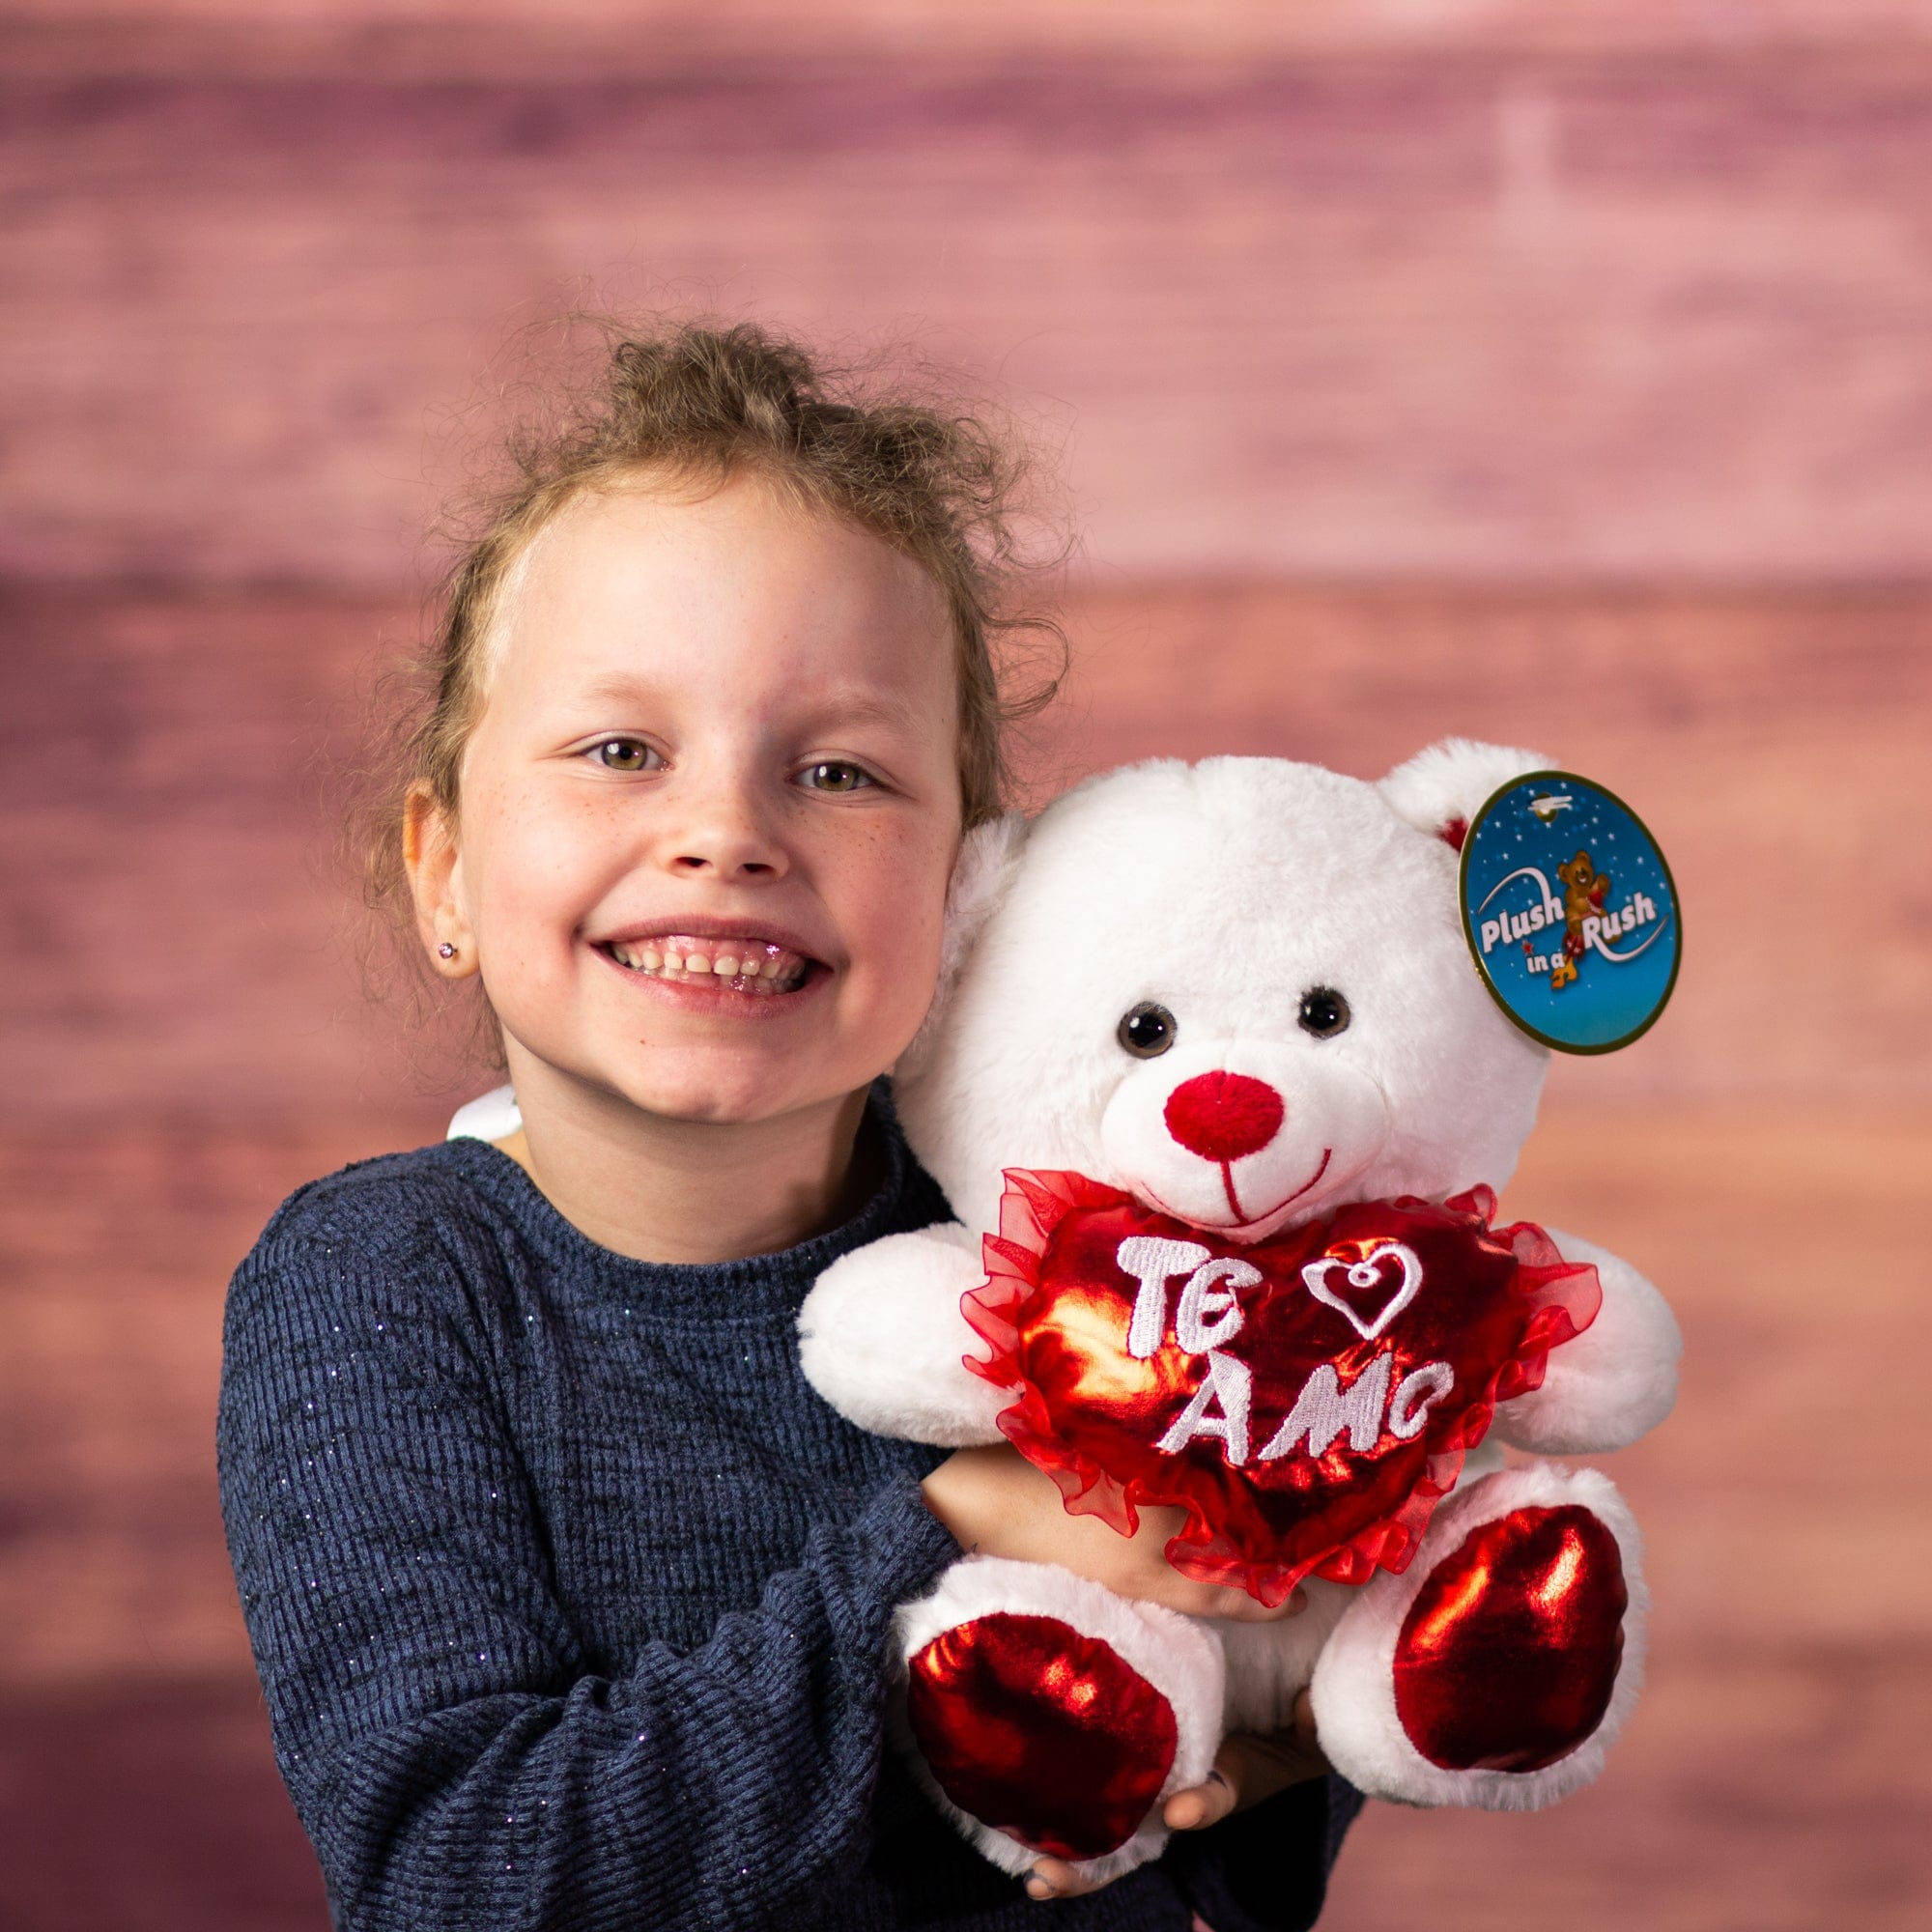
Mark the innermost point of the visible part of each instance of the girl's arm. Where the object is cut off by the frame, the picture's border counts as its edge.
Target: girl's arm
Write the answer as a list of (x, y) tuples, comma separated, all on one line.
[(454, 1760)]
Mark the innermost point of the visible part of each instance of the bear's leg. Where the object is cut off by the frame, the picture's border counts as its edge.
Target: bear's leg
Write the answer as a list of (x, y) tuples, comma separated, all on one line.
[(1268, 1663), (1498, 1669), (1045, 1713)]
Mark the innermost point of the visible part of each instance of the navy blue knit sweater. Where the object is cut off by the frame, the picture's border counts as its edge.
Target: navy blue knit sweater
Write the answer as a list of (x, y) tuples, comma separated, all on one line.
[(569, 1597)]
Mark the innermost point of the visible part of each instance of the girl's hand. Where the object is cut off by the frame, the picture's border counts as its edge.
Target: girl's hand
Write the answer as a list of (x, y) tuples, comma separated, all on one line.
[(1246, 1770), (996, 1503)]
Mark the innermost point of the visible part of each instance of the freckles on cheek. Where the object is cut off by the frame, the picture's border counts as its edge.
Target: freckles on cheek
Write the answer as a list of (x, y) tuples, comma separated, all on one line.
[(919, 922), (535, 877)]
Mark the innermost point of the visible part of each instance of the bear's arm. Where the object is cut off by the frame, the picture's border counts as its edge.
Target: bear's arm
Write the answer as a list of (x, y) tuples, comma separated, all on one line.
[(1610, 1385), (882, 1339)]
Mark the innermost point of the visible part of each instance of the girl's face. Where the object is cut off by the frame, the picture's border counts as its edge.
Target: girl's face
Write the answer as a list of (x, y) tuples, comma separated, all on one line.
[(709, 810)]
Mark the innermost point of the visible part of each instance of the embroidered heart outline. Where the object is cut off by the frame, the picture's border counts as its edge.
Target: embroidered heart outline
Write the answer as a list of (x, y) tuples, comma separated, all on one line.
[(1365, 1273)]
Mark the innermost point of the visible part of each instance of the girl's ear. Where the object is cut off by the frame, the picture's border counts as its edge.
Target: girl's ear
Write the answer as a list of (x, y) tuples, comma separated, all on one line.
[(434, 866), (988, 857), (1441, 790)]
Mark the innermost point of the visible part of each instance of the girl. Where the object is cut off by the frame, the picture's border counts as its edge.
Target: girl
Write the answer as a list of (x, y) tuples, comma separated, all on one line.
[(569, 1599)]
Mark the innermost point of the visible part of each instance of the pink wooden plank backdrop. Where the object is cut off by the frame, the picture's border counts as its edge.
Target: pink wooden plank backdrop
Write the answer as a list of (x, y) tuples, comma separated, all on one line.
[(1385, 313), (1549, 374), (642, 31)]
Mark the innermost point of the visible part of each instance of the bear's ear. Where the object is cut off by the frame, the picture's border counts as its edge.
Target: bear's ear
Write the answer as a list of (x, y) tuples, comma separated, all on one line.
[(1442, 789), (988, 856)]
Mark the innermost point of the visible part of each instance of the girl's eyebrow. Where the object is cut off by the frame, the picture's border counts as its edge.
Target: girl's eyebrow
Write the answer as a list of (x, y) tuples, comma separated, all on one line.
[(863, 706), (855, 704)]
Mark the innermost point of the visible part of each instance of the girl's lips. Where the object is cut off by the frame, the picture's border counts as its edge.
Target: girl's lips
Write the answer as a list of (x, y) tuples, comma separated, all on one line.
[(708, 933), (759, 960), (757, 976)]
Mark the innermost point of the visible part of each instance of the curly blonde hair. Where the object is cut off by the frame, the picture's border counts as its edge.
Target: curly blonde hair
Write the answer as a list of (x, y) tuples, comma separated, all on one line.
[(691, 404)]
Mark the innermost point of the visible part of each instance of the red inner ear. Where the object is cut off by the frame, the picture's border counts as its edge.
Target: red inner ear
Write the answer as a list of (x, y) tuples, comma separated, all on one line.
[(1454, 833)]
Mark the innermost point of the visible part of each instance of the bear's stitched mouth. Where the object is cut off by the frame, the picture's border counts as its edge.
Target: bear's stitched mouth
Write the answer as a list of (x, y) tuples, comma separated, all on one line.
[(1234, 1200), (1241, 1223)]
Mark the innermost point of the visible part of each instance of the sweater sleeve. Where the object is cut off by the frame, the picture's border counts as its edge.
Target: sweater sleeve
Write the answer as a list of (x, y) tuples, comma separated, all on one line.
[(453, 1759), (1265, 1869)]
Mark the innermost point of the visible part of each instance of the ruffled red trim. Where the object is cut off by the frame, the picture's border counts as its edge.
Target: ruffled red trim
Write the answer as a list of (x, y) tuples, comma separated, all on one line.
[(1563, 1298)]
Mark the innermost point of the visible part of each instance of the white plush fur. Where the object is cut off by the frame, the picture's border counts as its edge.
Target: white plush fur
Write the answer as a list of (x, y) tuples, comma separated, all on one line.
[(492, 1116), (1615, 1381), (881, 1339), (1268, 1663), (1454, 780), (1353, 1690), (1223, 891), (1181, 1660), (980, 875)]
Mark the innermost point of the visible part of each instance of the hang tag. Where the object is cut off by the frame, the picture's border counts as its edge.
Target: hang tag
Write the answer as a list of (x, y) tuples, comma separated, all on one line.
[(1569, 911)]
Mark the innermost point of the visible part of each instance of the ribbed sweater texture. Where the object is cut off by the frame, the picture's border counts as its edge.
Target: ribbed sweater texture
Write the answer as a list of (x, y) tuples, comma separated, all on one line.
[(570, 1598)]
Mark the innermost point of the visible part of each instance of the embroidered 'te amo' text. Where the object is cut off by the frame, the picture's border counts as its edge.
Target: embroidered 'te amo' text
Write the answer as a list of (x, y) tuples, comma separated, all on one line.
[(1209, 1316)]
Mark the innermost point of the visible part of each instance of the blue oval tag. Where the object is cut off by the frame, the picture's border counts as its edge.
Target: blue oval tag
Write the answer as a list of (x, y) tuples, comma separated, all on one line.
[(1571, 912)]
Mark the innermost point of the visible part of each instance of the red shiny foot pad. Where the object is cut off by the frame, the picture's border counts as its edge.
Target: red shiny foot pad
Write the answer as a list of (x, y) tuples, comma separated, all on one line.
[(1035, 1729), (1509, 1653)]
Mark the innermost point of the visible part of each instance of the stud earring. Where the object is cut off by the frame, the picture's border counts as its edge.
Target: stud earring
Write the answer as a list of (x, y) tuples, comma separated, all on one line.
[(447, 951)]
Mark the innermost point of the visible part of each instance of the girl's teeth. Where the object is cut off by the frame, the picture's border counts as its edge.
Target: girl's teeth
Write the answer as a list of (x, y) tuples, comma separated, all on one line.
[(777, 971)]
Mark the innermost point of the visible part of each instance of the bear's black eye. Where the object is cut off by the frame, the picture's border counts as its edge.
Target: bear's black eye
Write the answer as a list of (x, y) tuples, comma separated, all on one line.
[(1146, 1030), (1325, 1013)]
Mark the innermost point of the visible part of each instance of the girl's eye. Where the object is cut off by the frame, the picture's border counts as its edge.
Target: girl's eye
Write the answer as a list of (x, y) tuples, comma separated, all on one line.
[(836, 775), (1146, 1030), (1325, 1013), (623, 754)]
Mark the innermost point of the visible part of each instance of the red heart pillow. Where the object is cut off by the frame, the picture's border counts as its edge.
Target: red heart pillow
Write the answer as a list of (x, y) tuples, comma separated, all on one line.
[(1306, 1399)]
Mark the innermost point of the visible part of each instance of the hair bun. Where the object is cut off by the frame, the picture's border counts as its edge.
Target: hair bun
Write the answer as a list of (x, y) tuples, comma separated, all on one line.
[(740, 375)]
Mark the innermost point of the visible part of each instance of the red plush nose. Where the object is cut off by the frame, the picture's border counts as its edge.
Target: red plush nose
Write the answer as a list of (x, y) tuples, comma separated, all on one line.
[(1223, 1116)]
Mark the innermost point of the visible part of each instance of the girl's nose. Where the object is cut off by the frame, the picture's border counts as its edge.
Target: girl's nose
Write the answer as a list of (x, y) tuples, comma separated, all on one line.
[(723, 834), (728, 856), (1223, 1116)]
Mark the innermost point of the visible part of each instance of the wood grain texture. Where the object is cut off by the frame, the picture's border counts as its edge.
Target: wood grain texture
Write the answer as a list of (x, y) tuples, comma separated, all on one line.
[(1502, 315), (633, 33), (182, 940), (149, 1806), (1771, 1777)]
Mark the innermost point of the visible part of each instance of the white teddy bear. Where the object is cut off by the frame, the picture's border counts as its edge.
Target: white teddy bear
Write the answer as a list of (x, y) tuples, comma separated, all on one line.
[(1223, 1020)]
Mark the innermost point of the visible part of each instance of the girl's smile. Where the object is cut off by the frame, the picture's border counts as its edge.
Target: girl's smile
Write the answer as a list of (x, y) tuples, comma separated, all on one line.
[(713, 962), (721, 966)]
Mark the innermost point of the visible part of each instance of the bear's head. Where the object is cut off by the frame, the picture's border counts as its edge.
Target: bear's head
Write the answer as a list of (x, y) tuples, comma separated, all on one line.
[(1239, 990)]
